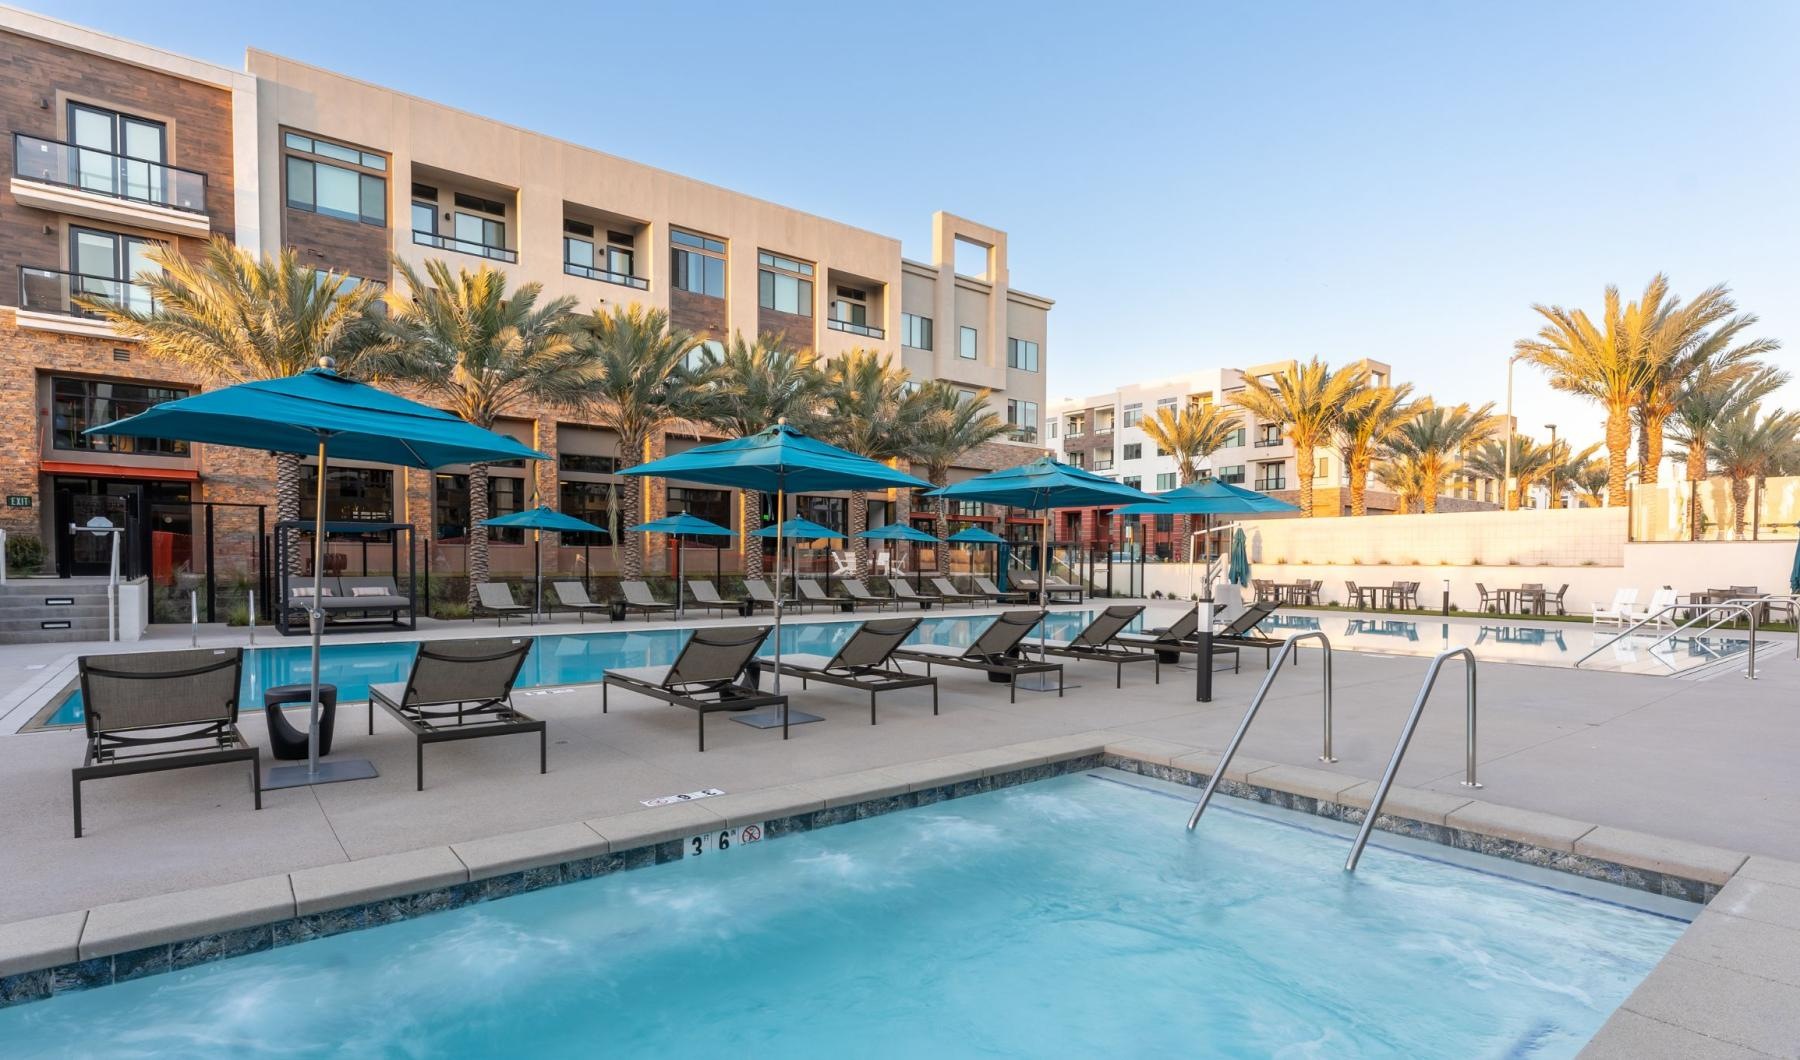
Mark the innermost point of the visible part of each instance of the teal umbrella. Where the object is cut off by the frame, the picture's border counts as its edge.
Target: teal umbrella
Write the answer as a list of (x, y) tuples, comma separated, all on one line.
[(902, 532), (976, 535), (682, 524), (1207, 498), (800, 530), (1794, 575), (1240, 560), (320, 411), (538, 520)]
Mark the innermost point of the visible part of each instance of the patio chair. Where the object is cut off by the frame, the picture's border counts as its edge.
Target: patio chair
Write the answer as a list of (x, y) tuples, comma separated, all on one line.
[(573, 596), (638, 598), (1751, 592), (707, 676), (1556, 599), (1352, 595), (904, 593), (1615, 612), (496, 599), (863, 662), (1263, 588), (998, 595), (995, 651), (812, 594), (1097, 642), (947, 591), (152, 711), (460, 690), (1656, 612), (706, 598), (860, 594), (1490, 601), (843, 563), (760, 596), (1409, 595), (1241, 632)]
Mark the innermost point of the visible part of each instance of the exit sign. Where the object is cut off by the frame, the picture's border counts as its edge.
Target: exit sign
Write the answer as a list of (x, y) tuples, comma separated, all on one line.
[(18, 500)]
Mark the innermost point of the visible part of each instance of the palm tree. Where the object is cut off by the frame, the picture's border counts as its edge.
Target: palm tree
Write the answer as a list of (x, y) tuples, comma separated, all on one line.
[(1404, 474), (1586, 477), (231, 317), (747, 387), (1531, 464), (1362, 431), (950, 424), (484, 351), (1747, 444), (873, 413), (1190, 435), (1307, 399), (1685, 345), (641, 382), (1435, 441), (1711, 395)]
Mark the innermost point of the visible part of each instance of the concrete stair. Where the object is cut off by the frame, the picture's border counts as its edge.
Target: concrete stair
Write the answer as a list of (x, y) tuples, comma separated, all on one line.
[(52, 610)]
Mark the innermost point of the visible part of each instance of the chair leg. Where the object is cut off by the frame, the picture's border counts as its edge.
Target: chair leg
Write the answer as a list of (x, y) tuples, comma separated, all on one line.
[(603, 697), (544, 749), (702, 715), (871, 706), (76, 780), (256, 777), (419, 761), (934, 703), (1059, 682), (784, 718)]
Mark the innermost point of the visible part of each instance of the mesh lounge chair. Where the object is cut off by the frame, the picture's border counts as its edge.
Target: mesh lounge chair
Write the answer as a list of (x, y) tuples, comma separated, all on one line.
[(460, 690), (706, 598), (760, 596), (995, 651), (904, 593), (861, 595), (863, 662), (154, 711), (638, 598), (496, 599), (999, 595), (707, 676), (1063, 592), (573, 596), (1097, 643), (1178, 638), (812, 594), (948, 591), (1241, 632)]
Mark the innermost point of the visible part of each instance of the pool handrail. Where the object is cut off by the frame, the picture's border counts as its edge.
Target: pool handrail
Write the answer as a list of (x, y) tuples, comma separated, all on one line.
[(1406, 735), (1256, 703), (1737, 605)]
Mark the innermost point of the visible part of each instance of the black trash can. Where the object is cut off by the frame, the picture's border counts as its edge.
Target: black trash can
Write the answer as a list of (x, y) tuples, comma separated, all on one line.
[(287, 742)]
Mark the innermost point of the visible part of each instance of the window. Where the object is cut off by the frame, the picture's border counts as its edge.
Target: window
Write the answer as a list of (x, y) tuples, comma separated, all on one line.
[(1166, 403), (1134, 450), (1324, 468), (1077, 426), (588, 464), (590, 502), (123, 156), (1268, 434), (1236, 439), (1165, 480), (1022, 354), (850, 312), (1103, 459), (712, 505), (335, 180), (968, 343), (506, 495), (352, 494), (1233, 474), (1077, 459), (698, 262), (1134, 414), (1165, 523), (915, 331), (77, 404), (1022, 417), (782, 285), (704, 355), (1053, 422), (1136, 482), (424, 209), (614, 261), (1271, 476), (104, 264)]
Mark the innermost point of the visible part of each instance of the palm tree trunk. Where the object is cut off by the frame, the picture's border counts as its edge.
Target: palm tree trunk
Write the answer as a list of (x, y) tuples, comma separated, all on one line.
[(1650, 446), (1428, 493), (478, 534), (753, 554), (1740, 501), (1303, 468), (287, 503), (1618, 454), (859, 521), (940, 515), (1359, 486), (631, 454), (1696, 474)]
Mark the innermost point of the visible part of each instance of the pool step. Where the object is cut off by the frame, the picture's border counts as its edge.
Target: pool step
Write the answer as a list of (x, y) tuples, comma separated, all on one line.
[(48, 611)]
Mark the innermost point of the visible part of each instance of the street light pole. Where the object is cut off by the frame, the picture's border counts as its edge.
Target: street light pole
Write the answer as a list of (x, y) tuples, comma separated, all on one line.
[(1551, 427), (1506, 477)]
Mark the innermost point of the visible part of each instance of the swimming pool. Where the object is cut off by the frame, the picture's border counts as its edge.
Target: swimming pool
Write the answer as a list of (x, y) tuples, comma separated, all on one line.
[(555, 659), (1068, 916)]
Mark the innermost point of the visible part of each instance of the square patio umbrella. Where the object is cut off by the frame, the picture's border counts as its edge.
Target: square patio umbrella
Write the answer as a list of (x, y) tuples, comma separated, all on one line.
[(778, 460), (902, 532), (537, 520), (1206, 499), (320, 411), (681, 524), (1040, 486), (976, 535)]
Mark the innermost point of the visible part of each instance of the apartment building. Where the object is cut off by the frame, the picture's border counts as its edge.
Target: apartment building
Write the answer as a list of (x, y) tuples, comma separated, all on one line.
[(118, 146)]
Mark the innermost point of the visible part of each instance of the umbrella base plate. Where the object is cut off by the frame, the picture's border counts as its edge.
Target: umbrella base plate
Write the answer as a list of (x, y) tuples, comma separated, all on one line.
[(1040, 683), (771, 719), (329, 773)]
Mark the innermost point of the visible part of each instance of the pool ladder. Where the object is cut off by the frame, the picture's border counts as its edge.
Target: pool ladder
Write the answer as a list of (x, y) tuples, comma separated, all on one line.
[(1287, 648), (1737, 607)]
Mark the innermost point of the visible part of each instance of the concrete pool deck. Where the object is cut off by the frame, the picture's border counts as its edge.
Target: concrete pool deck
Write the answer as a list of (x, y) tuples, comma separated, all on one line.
[(1681, 776)]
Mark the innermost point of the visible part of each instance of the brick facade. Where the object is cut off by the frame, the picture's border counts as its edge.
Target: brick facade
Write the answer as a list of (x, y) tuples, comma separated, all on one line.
[(699, 314)]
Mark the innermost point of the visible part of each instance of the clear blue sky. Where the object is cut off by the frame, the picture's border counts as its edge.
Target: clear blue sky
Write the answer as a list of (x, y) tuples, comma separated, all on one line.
[(1196, 183)]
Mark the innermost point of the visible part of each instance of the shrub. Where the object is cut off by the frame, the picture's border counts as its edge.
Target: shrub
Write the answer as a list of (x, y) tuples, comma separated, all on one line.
[(24, 554), (449, 609)]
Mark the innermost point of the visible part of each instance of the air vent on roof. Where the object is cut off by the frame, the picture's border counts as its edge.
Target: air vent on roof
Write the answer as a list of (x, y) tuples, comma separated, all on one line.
[(476, 202), (624, 239), (578, 228), (424, 191)]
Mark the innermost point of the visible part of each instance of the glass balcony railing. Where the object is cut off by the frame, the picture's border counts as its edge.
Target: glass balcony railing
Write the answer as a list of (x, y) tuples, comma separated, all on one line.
[(104, 173), (1023, 434), (1268, 484), (589, 272), (464, 246), (55, 291), (854, 328)]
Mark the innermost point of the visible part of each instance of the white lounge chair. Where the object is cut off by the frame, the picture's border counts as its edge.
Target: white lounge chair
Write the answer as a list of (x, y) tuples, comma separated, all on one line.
[(1616, 612), (1658, 612)]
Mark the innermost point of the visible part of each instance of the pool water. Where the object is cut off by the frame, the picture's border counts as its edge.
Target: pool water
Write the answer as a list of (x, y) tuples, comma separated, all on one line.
[(558, 659), (1067, 917)]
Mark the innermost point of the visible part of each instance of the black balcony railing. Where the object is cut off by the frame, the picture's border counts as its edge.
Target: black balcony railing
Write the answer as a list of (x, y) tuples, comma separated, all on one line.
[(590, 273), (463, 246), (104, 173), (55, 291), (854, 328), (1267, 484), (1268, 443)]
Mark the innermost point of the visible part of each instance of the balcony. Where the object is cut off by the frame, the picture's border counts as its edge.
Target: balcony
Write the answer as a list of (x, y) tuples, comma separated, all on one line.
[(589, 272), (1267, 485), (85, 182), (1266, 442), (1028, 435), (855, 329), (47, 300), (464, 246)]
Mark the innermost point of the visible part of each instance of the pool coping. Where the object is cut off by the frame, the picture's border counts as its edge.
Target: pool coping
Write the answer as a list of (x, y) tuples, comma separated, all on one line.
[(118, 942)]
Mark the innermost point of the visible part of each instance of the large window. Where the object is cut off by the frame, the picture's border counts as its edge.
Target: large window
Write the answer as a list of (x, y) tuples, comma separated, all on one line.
[(1134, 414), (506, 495), (712, 505), (77, 404), (699, 263), (784, 284), (588, 463), (1165, 480), (123, 153), (1133, 451), (589, 501), (614, 260), (968, 343), (1236, 439), (352, 494), (1022, 354), (1022, 417), (1271, 476), (1136, 482), (335, 180), (1233, 474), (915, 331)]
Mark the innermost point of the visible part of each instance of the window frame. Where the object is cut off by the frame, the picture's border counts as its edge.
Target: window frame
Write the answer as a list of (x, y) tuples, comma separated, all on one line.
[(369, 168)]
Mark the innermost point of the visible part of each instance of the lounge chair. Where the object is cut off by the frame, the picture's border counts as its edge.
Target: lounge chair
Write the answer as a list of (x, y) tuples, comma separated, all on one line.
[(999, 595), (995, 651), (638, 598), (1657, 611), (861, 595), (496, 599), (948, 592), (1063, 592), (460, 690), (1615, 612), (573, 596), (706, 598), (160, 701), (1240, 632), (863, 662), (904, 593), (813, 594), (707, 676), (1097, 643), (1178, 638), (760, 596)]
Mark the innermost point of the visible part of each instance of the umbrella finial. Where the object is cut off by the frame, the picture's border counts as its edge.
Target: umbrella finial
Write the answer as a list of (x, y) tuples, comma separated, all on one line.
[(328, 363)]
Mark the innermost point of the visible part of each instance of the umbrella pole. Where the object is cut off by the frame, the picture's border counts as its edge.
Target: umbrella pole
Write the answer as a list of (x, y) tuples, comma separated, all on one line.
[(537, 575), (780, 513), (678, 593)]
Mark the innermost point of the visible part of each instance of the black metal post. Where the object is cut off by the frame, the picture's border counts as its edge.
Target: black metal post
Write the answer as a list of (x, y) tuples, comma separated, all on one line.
[(212, 571), (1203, 664), (262, 563)]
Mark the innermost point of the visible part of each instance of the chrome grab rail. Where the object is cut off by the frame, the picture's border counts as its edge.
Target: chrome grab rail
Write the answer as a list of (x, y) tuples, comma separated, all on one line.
[(1256, 703), (1701, 611), (1406, 735)]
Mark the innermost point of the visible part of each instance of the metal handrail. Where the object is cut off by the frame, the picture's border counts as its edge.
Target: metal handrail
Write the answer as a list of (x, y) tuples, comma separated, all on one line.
[(1256, 703), (1701, 611), (1406, 735)]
